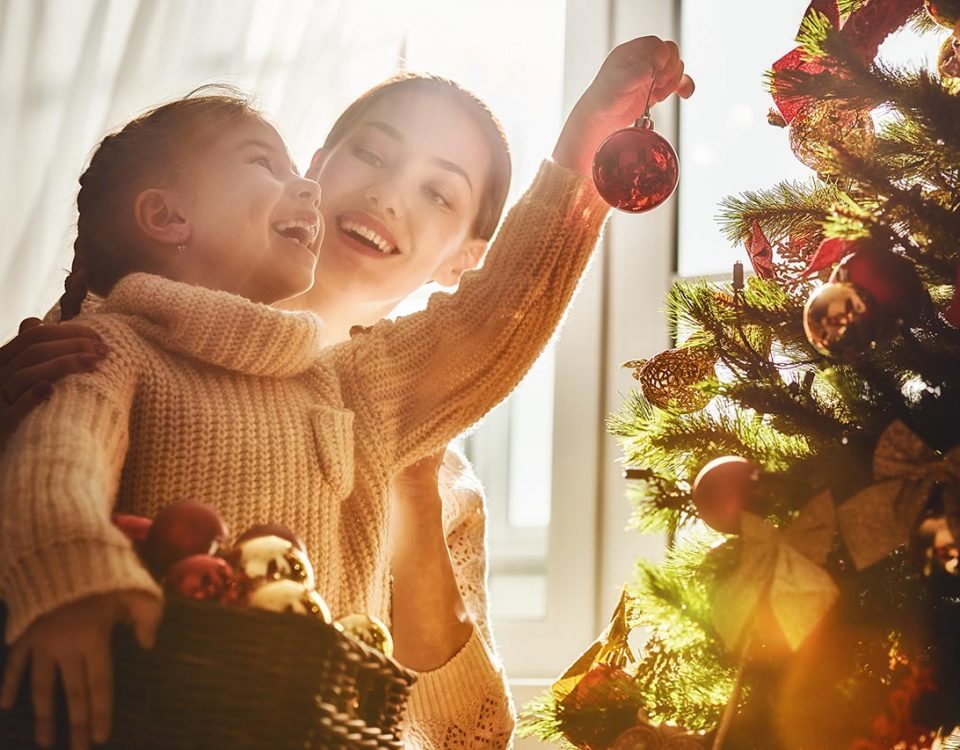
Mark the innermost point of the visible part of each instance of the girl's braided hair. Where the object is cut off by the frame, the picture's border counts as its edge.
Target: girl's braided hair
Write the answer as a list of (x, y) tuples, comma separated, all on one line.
[(146, 152)]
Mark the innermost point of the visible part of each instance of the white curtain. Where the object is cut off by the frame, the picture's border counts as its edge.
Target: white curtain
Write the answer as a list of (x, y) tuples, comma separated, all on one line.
[(72, 70)]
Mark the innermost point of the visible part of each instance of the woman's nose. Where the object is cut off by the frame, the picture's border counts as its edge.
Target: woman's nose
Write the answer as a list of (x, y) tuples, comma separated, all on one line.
[(387, 199)]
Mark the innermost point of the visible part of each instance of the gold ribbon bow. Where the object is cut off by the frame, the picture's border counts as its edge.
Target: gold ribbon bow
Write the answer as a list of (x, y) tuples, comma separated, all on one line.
[(786, 566), (881, 517)]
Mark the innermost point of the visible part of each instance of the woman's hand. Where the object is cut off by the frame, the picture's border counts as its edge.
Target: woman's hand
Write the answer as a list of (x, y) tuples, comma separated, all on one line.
[(31, 362), (74, 642), (617, 96), (417, 485), (429, 620)]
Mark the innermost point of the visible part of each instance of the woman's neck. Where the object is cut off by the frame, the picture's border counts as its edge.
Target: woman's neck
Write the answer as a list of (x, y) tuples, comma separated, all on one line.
[(339, 312)]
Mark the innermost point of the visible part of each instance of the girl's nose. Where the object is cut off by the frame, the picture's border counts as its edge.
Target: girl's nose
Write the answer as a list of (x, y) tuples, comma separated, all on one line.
[(309, 190)]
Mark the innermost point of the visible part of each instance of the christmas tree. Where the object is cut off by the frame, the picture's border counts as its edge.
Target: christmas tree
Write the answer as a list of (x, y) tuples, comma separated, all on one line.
[(801, 445)]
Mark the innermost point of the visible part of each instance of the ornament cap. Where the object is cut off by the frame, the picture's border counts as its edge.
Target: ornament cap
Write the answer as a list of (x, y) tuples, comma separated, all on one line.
[(644, 123)]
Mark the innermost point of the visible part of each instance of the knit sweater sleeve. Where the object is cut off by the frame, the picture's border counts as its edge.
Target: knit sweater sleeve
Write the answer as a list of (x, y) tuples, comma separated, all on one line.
[(58, 480), (465, 703), (426, 377)]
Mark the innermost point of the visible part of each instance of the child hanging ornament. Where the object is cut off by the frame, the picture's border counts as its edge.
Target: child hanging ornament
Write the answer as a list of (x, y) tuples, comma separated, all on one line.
[(636, 169)]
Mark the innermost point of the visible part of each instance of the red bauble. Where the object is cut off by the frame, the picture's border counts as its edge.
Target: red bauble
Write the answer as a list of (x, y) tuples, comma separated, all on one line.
[(272, 529), (201, 578), (636, 169), (890, 279), (180, 530), (721, 490)]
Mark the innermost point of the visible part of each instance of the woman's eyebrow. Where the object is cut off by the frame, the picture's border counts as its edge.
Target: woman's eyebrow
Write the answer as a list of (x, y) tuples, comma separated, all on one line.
[(446, 164)]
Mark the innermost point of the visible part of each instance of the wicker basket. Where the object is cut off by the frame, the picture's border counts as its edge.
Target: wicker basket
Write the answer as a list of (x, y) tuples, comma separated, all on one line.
[(240, 679)]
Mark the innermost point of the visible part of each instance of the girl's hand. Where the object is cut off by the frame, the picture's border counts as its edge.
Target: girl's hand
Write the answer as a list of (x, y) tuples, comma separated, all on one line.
[(39, 355), (74, 641), (617, 96)]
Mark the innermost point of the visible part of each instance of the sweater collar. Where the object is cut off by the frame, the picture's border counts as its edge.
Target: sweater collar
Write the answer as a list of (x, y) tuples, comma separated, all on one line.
[(217, 327)]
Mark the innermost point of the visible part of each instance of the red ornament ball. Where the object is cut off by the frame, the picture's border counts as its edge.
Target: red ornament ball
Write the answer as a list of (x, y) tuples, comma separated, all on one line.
[(272, 529), (180, 530), (889, 279), (721, 490), (201, 578), (636, 169)]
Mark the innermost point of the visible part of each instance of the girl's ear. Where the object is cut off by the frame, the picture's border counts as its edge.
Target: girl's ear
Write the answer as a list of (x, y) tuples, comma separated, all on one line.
[(316, 163), (467, 257), (156, 214)]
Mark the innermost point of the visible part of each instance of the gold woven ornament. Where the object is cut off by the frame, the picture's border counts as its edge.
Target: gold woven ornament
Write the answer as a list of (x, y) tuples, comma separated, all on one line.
[(826, 124), (669, 380)]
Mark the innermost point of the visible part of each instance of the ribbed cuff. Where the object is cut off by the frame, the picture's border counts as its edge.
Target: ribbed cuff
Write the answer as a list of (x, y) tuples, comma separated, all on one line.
[(571, 191), (64, 572), (459, 686)]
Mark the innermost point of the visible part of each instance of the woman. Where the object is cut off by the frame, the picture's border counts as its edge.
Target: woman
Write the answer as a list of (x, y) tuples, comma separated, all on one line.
[(413, 181)]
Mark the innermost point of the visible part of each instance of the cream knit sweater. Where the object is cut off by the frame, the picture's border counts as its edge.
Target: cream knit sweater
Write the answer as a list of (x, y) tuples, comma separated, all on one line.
[(208, 396)]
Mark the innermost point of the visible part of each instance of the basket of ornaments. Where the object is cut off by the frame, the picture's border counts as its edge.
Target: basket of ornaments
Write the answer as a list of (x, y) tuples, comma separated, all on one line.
[(247, 655)]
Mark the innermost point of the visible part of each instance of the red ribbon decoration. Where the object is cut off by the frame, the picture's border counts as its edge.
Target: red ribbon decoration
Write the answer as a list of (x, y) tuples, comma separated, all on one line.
[(864, 30), (828, 252), (760, 251)]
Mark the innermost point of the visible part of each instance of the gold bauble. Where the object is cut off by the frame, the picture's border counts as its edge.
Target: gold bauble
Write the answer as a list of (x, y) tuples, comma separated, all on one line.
[(839, 319), (944, 12), (369, 630), (830, 123), (271, 558), (669, 380), (948, 60), (290, 596)]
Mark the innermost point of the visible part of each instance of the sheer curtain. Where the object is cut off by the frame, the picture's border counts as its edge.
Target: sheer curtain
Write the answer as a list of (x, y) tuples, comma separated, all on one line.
[(72, 70)]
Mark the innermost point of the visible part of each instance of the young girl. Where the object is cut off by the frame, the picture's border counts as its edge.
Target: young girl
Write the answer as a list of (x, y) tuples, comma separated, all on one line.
[(578, 128)]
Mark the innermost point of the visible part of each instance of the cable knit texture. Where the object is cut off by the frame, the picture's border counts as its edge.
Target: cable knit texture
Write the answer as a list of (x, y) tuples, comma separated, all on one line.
[(208, 396), (445, 710)]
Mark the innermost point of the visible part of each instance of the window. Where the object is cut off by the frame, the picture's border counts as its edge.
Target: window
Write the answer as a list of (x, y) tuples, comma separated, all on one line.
[(726, 145)]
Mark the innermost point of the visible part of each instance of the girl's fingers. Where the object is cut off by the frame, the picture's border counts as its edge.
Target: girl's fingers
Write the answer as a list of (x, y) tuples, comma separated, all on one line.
[(42, 677), (145, 612), (99, 669), (16, 665), (74, 676)]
